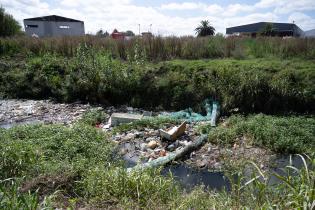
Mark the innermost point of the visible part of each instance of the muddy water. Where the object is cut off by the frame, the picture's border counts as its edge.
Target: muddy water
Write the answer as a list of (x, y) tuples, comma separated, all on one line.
[(189, 177)]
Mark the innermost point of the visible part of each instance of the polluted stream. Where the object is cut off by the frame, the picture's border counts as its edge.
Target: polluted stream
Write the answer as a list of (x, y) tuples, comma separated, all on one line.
[(26, 112), (190, 177)]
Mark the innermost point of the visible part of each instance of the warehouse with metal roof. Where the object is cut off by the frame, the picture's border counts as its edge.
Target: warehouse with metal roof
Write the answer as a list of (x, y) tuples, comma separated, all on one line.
[(53, 26), (279, 29)]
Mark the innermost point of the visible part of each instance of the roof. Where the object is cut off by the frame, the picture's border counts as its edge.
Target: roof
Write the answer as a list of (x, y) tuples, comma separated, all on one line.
[(256, 27), (54, 18), (310, 33)]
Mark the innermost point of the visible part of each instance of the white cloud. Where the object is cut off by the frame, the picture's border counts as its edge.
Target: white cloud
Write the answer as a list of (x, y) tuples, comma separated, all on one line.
[(234, 9), (302, 20), (287, 6), (183, 6), (214, 9)]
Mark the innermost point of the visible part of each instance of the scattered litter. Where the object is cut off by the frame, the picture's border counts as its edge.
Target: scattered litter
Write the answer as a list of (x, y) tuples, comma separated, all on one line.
[(174, 132), (107, 126), (152, 144), (120, 118), (215, 113), (147, 113)]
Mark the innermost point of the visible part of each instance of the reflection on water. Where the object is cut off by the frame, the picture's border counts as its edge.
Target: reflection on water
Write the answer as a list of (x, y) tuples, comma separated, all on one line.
[(279, 166), (189, 177)]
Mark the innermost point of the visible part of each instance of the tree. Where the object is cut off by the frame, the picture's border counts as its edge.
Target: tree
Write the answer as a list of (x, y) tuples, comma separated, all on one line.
[(8, 25), (101, 33), (205, 29), (129, 33), (268, 30)]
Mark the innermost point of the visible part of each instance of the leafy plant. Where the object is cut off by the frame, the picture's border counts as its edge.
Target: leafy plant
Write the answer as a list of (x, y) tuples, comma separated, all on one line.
[(281, 134), (205, 29), (9, 26)]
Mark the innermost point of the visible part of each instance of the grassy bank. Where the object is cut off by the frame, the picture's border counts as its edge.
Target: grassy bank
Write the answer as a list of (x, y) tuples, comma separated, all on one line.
[(253, 85), (291, 134), (50, 166)]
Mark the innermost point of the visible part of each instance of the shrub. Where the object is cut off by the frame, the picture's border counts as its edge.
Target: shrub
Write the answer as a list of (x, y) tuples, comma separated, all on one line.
[(269, 86), (40, 149), (8, 25), (164, 48), (145, 189), (280, 134)]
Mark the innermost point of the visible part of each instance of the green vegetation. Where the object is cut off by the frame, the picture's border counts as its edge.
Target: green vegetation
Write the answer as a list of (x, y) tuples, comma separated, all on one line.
[(8, 25), (252, 85), (165, 48), (53, 166), (291, 134), (268, 30), (40, 149), (205, 29), (93, 117)]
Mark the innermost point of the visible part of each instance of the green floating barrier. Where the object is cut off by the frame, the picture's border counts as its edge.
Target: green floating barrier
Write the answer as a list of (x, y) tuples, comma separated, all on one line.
[(212, 108)]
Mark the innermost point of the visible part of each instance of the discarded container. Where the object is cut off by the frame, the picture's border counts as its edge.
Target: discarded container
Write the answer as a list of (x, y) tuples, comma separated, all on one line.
[(174, 132), (119, 118)]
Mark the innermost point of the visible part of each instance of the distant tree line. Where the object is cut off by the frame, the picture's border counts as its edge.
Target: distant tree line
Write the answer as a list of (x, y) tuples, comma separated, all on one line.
[(101, 33), (8, 25)]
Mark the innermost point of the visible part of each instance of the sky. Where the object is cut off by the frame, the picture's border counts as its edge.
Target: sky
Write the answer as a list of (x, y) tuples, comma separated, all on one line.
[(166, 17)]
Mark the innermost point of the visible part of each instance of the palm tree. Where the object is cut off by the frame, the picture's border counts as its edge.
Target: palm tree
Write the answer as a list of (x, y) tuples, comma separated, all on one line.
[(205, 29), (268, 30)]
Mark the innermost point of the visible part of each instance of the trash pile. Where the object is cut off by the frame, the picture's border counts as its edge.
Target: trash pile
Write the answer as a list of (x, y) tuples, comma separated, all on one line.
[(16, 112), (165, 144), (142, 145)]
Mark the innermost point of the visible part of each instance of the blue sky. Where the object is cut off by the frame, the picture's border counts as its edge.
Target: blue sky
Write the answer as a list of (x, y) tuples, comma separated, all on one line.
[(168, 17)]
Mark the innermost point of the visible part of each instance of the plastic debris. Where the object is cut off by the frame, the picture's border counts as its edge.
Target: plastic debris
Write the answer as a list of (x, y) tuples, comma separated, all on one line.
[(211, 107), (174, 132), (119, 118)]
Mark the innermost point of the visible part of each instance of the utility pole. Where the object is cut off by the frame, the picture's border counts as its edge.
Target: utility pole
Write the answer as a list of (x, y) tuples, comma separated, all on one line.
[(139, 28), (150, 28)]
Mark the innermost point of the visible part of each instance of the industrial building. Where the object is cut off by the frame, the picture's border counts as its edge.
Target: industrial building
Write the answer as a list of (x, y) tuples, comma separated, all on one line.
[(279, 29), (53, 26)]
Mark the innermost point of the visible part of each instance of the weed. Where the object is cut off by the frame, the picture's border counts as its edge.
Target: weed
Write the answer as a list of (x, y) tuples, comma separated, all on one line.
[(281, 134), (269, 86), (145, 189), (93, 117)]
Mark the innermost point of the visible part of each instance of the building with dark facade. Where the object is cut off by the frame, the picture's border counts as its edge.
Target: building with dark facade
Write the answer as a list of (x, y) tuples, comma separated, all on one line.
[(53, 26), (279, 29)]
